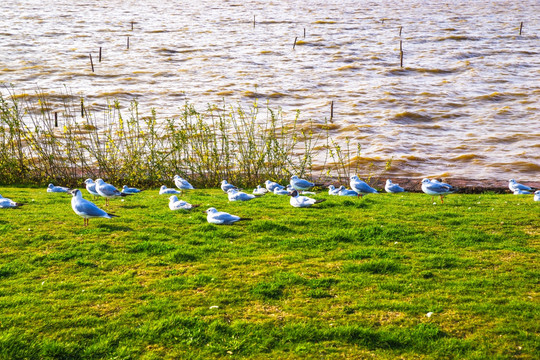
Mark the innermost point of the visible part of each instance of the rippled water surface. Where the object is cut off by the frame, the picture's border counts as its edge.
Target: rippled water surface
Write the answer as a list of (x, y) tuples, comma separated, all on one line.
[(466, 102)]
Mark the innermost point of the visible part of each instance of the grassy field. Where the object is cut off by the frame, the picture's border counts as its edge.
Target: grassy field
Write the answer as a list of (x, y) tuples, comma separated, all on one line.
[(386, 276)]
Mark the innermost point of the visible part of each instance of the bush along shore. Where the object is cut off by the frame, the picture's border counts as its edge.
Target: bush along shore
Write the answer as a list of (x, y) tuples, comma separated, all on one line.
[(39, 144)]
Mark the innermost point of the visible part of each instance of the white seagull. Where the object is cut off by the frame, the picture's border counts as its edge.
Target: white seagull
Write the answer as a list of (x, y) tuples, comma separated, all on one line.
[(165, 190), (182, 184), (346, 192), (225, 186), (302, 201), (537, 195), (332, 190), (175, 204), (85, 208), (235, 195), (57, 189), (271, 185), (91, 187), (108, 191), (259, 190), (221, 218), (279, 191), (436, 188), (390, 187), (513, 186), (6, 203), (360, 186), (128, 190), (301, 184)]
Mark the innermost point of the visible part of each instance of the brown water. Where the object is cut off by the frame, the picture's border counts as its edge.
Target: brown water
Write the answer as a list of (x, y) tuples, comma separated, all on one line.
[(465, 104)]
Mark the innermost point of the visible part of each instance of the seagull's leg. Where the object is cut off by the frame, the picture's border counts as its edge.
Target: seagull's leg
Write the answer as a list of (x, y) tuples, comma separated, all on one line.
[(442, 199), (432, 198)]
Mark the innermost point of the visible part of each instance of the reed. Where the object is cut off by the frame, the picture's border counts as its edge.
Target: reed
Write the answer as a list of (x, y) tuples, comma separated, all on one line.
[(244, 145)]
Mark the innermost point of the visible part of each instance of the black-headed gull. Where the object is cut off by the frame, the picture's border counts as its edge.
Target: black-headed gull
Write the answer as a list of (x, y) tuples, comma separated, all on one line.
[(85, 208), (175, 204), (225, 186), (332, 190), (434, 188), (537, 195), (271, 185), (165, 190), (128, 190), (259, 190), (302, 201), (6, 203), (235, 195), (390, 187), (513, 185), (182, 183), (91, 187), (57, 189), (342, 191), (360, 186), (108, 191), (221, 218)]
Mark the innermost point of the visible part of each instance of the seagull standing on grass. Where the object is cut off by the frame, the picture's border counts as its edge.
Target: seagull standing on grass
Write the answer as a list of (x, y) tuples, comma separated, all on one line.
[(235, 195), (302, 201), (434, 188), (221, 218), (57, 189), (128, 190), (175, 204), (537, 195), (301, 184), (91, 187), (225, 186), (85, 208), (390, 187), (6, 203), (361, 187), (108, 191), (271, 185), (513, 185), (165, 190), (182, 184)]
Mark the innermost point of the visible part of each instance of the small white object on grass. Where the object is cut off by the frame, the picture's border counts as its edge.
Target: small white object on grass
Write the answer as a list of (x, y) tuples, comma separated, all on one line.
[(429, 314)]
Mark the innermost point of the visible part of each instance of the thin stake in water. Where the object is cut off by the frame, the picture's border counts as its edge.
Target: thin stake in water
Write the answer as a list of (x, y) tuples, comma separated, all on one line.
[(304, 33), (55, 119), (82, 108), (400, 28), (100, 54), (331, 111), (520, 28), (294, 45), (128, 42), (91, 63), (253, 20), (132, 26), (401, 52)]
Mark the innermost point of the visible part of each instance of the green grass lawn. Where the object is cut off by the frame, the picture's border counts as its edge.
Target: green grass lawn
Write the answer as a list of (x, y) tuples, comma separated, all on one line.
[(347, 278)]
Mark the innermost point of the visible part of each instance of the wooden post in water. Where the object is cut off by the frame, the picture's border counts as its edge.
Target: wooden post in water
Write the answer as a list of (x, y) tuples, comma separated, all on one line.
[(331, 110), (401, 52), (128, 42), (520, 28), (296, 38), (82, 108), (253, 21), (55, 119), (400, 28), (132, 26), (100, 54), (91, 63), (304, 33)]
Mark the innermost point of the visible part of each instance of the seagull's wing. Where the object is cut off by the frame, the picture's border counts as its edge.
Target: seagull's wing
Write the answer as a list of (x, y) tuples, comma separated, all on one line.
[(85, 207)]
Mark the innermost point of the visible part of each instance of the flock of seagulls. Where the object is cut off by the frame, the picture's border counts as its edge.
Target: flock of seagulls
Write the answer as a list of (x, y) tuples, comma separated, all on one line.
[(296, 189)]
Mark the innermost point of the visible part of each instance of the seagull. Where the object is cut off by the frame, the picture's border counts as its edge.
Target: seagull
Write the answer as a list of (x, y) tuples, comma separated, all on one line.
[(91, 187), (225, 186), (279, 191), (513, 186), (221, 218), (290, 188), (182, 184), (6, 203), (175, 204), (259, 190), (235, 195), (537, 195), (85, 208), (128, 190), (346, 192), (271, 185), (390, 187), (57, 189), (302, 201), (332, 190), (301, 184), (360, 186), (107, 191), (436, 188), (522, 192), (165, 190)]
